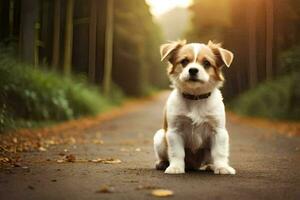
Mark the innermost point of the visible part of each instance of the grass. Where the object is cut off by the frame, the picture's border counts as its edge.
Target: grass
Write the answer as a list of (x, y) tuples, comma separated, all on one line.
[(31, 97), (276, 99)]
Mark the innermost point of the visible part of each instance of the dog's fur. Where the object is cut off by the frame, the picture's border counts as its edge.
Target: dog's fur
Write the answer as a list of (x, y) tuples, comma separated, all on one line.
[(194, 135)]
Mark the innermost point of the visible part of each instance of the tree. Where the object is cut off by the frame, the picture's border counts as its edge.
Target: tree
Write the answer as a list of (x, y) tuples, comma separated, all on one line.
[(92, 40), (136, 62), (68, 37), (27, 40), (269, 38), (56, 33), (108, 48)]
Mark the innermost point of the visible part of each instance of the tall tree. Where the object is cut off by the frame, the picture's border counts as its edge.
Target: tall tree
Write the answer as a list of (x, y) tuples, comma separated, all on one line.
[(92, 40), (56, 33), (108, 47), (251, 21), (27, 40), (68, 36), (269, 38), (136, 55)]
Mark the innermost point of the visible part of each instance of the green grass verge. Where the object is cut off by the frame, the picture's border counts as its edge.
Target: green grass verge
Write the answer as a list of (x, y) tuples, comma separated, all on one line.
[(276, 99), (32, 97)]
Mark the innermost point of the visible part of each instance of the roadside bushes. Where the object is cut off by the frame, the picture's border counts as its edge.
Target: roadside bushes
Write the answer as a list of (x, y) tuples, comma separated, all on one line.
[(278, 98), (29, 95)]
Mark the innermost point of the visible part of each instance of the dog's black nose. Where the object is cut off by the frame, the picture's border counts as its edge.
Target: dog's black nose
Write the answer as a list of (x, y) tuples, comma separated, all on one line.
[(193, 71)]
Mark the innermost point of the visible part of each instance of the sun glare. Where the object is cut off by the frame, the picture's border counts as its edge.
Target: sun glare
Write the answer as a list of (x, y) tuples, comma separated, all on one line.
[(159, 7)]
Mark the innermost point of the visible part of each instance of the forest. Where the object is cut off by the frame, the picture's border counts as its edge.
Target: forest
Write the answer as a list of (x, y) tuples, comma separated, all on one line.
[(81, 57), (264, 37), (76, 56)]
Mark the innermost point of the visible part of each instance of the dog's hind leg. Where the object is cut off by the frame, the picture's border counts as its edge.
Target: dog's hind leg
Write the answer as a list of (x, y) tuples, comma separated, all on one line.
[(161, 150), (207, 164)]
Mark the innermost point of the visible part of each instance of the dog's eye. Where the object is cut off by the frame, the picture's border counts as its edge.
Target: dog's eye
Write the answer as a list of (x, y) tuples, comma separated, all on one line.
[(184, 62), (206, 64)]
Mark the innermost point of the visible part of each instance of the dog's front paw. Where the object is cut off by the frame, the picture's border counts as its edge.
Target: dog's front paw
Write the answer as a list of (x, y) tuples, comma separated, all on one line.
[(174, 170), (224, 170)]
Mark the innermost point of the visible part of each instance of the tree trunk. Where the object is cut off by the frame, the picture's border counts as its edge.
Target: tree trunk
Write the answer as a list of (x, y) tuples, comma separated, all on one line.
[(11, 17), (56, 33), (108, 48), (29, 18), (269, 38), (251, 20), (92, 40), (68, 37)]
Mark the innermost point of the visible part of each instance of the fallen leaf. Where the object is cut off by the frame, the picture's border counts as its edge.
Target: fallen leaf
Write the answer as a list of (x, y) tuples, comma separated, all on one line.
[(70, 158), (30, 187), (42, 149), (96, 160), (4, 160), (15, 140), (106, 161), (97, 141), (51, 142), (162, 193), (72, 140), (60, 161), (61, 154), (111, 161), (17, 164), (105, 189)]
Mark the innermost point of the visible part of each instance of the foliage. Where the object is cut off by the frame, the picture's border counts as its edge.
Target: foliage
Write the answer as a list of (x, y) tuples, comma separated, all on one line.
[(209, 21), (136, 63), (28, 94), (277, 99), (290, 60)]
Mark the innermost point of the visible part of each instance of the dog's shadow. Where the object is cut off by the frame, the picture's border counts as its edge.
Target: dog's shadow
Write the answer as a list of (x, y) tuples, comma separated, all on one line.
[(155, 172)]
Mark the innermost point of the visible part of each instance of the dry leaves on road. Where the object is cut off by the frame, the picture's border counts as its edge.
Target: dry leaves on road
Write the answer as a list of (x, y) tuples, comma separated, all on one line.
[(106, 160), (98, 141), (72, 158), (105, 189), (67, 158), (162, 193)]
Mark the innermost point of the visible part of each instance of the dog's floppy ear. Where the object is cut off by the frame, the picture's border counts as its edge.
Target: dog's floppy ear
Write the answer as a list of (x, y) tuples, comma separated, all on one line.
[(225, 55), (167, 49)]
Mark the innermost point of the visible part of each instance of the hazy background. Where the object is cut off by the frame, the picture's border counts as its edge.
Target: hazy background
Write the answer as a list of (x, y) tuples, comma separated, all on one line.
[(60, 60)]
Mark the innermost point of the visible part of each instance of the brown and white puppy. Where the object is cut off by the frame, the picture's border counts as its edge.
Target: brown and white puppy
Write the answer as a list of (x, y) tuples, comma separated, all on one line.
[(194, 133)]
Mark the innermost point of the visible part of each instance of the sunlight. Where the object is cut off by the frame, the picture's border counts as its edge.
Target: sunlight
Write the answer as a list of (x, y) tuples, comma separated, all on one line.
[(159, 7)]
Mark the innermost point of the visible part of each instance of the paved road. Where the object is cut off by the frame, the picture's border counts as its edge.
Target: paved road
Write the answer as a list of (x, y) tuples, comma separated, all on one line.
[(267, 165)]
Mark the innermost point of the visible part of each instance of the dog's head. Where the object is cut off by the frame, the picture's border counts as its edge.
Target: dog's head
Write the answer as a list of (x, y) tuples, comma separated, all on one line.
[(195, 68)]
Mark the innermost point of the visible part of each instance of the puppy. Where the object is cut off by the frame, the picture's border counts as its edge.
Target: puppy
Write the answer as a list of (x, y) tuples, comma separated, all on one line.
[(194, 135)]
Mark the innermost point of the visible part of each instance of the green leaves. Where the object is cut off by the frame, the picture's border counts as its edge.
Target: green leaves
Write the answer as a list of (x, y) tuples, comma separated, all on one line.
[(28, 94)]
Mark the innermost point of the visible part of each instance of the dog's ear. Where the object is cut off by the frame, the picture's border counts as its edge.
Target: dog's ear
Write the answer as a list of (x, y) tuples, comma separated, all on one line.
[(224, 55), (166, 50)]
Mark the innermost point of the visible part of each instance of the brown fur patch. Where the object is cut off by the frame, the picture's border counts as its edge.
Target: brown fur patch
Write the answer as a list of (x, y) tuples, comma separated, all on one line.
[(165, 126), (168, 50), (165, 122), (215, 49)]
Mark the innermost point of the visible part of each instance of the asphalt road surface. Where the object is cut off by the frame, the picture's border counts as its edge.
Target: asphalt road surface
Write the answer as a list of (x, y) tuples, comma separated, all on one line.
[(267, 165)]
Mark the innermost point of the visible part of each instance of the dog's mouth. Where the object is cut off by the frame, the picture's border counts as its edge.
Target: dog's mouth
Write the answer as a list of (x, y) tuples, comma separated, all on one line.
[(193, 79)]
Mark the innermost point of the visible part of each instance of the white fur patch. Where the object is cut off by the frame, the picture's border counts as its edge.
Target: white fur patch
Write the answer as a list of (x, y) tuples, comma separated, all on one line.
[(197, 48)]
